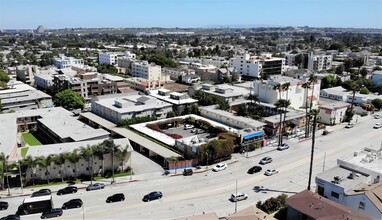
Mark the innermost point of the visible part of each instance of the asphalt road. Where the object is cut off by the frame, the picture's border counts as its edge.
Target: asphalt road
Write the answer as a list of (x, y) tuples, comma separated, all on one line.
[(210, 191)]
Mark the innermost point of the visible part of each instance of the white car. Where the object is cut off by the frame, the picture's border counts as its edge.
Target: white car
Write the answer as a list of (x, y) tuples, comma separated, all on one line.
[(220, 167), (283, 146), (378, 116), (270, 172), (378, 125), (186, 127), (238, 197), (349, 125)]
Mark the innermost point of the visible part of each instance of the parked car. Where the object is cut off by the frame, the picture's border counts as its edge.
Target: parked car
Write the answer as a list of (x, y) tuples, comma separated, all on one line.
[(73, 203), (238, 197), (378, 116), (56, 212), (187, 172), (67, 190), (11, 217), (116, 198), (42, 192), (3, 205), (254, 169), (349, 125), (270, 172), (220, 167), (327, 131), (186, 126), (152, 196), (266, 160), (283, 146), (378, 125), (95, 186)]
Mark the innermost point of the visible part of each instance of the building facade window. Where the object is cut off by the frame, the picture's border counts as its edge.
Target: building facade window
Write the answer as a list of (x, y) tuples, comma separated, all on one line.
[(335, 195), (361, 205)]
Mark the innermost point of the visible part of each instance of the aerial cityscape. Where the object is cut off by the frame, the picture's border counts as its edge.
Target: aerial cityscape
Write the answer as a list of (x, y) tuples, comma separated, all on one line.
[(191, 110)]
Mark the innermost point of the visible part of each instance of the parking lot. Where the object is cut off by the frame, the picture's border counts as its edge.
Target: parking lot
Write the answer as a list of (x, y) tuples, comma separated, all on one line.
[(188, 132)]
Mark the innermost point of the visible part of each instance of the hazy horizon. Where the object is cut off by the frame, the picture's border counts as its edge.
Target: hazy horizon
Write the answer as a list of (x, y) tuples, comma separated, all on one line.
[(25, 14)]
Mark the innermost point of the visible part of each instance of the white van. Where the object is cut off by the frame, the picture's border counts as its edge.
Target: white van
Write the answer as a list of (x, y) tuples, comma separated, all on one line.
[(238, 197), (186, 126)]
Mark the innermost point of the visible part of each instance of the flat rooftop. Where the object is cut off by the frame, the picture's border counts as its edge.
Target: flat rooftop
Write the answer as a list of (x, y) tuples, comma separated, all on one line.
[(290, 115), (8, 131), (334, 105), (370, 158), (132, 102), (167, 98), (46, 150)]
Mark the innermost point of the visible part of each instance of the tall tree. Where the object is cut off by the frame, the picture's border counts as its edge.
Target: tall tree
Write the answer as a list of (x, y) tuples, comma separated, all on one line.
[(286, 103), (313, 113), (121, 155), (59, 159), (87, 154), (45, 162), (31, 163), (112, 148), (279, 88), (69, 100), (280, 106), (74, 157), (3, 159)]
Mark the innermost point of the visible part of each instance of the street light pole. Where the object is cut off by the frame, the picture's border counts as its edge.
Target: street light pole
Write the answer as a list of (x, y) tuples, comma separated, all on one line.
[(236, 198), (112, 159), (83, 209), (315, 112), (21, 181), (131, 168)]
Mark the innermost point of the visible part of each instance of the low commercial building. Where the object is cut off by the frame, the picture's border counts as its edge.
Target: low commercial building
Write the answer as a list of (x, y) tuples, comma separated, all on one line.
[(294, 121), (336, 93), (333, 113), (355, 182), (129, 105), (178, 100), (227, 92), (22, 96)]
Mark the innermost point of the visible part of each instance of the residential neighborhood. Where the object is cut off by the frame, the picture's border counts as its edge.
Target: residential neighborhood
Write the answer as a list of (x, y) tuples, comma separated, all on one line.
[(199, 122)]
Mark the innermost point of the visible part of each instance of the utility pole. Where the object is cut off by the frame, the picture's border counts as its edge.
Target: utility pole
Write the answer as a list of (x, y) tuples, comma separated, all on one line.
[(21, 181), (131, 168), (112, 159), (236, 198), (323, 166), (314, 112)]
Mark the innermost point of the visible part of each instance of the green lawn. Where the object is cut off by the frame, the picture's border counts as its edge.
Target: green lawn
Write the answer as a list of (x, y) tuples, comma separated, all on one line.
[(24, 151), (30, 139)]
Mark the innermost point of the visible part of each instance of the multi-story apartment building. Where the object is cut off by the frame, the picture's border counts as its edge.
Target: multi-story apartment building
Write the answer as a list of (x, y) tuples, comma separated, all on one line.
[(319, 62), (87, 85), (268, 93), (146, 70), (25, 73), (257, 66), (112, 57), (62, 61)]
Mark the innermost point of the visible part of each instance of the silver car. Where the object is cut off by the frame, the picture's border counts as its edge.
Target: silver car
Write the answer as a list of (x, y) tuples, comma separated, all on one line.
[(95, 186)]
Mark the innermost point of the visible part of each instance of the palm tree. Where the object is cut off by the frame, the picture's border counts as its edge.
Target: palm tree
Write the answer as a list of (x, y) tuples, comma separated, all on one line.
[(278, 87), (99, 151), (121, 155), (175, 160), (286, 103), (59, 159), (313, 114), (31, 163), (45, 162), (110, 145), (285, 87), (87, 154), (279, 105), (2, 161), (312, 80), (306, 86), (74, 157)]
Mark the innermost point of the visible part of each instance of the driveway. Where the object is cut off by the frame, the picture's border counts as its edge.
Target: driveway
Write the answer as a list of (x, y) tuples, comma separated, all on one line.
[(142, 164)]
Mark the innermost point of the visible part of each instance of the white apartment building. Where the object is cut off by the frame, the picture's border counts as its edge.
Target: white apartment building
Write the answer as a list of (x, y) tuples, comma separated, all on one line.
[(319, 62), (296, 93), (356, 182), (112, 57), (146, 70), (63, 61), (257, 66), (290, 59)]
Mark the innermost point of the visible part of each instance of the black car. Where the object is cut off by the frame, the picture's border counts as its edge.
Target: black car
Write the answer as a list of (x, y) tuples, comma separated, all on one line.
[(3, 205), (67, 190), (152, 196), (254, 169), (11, 217), (187, 172), (73, 203), (116, 198), (42, 192), (56, 212)]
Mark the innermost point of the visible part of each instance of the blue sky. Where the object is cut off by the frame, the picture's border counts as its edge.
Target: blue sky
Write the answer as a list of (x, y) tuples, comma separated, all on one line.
[(189, 13)]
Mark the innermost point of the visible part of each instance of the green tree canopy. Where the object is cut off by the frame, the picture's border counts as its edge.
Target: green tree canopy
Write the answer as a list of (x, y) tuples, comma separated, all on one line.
[(364, 90), (377, 103), (69, 100)]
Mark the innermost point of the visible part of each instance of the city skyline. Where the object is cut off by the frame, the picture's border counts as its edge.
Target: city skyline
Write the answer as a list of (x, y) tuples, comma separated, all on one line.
[(21, 14)]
